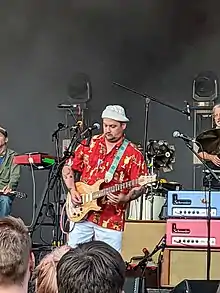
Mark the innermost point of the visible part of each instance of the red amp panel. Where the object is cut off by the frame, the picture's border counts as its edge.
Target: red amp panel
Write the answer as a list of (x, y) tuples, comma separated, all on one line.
[(192, 233)]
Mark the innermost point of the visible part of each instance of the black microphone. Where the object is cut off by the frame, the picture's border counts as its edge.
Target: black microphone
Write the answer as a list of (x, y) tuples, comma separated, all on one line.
[(88, 131), (185, 137), (95, 126), (62, 126)]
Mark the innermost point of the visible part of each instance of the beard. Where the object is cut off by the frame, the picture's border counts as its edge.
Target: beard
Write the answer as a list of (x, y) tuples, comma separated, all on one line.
[(112, 138)]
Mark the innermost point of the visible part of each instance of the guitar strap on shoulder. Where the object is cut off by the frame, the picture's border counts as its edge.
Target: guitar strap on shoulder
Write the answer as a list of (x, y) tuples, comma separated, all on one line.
[(110, 173)]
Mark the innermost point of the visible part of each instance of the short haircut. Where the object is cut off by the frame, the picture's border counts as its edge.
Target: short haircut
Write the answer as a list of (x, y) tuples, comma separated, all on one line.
[(15, 250), (45, 273), (217, 106), (92, 267), (3, 131)]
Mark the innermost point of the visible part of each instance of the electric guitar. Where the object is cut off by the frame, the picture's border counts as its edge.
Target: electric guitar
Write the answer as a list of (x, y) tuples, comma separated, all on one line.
[(17, 194), (90, 194)]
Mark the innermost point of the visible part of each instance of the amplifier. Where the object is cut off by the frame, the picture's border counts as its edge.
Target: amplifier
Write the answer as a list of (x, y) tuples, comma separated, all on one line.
[(192, 204), (188, 263), (192, 233)]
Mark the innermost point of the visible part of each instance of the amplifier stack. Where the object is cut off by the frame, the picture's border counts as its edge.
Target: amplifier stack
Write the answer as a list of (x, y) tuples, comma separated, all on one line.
[(185, 255), (187, 219)]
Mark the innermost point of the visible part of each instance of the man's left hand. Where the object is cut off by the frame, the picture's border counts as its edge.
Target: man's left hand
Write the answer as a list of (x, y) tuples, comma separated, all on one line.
[(136, 192), (118, 198), (124, 198)]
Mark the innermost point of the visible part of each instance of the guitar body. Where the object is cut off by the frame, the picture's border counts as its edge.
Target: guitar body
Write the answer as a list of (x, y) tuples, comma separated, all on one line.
[(79, 213), (90, 194)]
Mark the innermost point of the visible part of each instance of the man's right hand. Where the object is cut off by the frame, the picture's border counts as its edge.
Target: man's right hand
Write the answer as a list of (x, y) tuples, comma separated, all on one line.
[(215, 160), (76, 198)]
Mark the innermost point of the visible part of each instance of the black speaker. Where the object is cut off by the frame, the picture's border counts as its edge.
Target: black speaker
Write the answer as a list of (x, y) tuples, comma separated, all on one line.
[(205, 87), (134, 285), (197, 286)]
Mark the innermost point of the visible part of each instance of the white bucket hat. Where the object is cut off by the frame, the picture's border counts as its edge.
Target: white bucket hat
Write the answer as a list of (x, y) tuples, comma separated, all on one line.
[(115, 112)]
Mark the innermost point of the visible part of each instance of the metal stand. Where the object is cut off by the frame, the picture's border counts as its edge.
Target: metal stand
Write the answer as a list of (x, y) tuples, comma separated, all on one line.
[(55, 180), (211, 175), (146, 123), (202, 120), (58, 238), (160, 246), (143, 263), (151, 189), (148, 99), (208, 260)]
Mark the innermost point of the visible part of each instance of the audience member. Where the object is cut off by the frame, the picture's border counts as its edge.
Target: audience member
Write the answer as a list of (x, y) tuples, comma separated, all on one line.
[(92, 267), (16, 258), (45, 272)]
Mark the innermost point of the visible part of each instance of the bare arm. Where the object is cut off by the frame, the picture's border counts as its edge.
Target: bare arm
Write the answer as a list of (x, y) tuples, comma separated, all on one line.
[(137, 169), (136, 192), (205, 156), (68, 177), (213, 158)]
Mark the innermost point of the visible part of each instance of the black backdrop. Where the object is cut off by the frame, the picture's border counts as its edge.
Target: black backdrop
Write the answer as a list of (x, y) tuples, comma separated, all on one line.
[(153, 46)]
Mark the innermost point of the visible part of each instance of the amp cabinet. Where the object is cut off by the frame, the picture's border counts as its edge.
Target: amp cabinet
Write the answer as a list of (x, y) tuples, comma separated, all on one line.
[(179, 264)]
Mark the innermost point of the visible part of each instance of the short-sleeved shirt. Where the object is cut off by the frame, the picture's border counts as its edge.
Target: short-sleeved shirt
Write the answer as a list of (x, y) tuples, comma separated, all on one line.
[(93, 162)]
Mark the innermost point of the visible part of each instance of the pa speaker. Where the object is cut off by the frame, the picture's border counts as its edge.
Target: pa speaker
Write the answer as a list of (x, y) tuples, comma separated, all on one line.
[(205, 87), (197, 286)]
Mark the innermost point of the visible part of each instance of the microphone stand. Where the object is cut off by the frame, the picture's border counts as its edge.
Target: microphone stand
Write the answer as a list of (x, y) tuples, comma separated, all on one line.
[(57, 192), (210, 176), (143, 263), (56, 175), (148, 99), (159, 246)]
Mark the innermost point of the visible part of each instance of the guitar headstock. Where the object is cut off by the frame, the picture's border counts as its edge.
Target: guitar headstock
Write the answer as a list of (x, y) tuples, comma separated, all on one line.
[(144, 180), (21, 195)]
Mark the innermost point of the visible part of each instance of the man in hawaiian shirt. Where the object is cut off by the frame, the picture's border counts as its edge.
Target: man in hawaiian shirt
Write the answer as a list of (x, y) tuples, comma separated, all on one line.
[(93, 162)]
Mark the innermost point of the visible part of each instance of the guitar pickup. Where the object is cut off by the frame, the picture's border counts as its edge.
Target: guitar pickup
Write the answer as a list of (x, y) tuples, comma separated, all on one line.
[(182, 231), (177, 201)]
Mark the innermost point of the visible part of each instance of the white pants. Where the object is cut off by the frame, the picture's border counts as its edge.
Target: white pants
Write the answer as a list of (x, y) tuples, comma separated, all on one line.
[(86, 231)]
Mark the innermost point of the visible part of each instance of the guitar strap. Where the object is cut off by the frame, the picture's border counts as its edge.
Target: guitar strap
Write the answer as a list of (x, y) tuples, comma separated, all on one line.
[(110, 173)]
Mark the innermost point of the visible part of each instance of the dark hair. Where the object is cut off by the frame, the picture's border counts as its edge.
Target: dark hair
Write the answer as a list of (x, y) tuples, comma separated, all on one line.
[(3, 132), (92, 267)]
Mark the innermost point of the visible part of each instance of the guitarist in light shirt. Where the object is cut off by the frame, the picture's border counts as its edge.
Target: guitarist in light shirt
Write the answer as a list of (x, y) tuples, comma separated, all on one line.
[(9, 175), (93, 162)]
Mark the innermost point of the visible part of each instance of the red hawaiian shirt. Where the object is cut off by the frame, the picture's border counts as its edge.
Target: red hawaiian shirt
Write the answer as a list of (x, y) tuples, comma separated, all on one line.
[(93, 162)]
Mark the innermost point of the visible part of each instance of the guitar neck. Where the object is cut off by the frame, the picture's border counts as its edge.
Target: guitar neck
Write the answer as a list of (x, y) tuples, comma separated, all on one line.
[(115, 188)]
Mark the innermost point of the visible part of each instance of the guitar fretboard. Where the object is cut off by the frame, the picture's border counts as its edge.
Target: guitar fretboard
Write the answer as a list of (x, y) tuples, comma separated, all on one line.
[(115, 188)]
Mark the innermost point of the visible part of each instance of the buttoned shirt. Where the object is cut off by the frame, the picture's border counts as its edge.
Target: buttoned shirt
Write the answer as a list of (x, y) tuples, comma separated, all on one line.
[(93, 162)]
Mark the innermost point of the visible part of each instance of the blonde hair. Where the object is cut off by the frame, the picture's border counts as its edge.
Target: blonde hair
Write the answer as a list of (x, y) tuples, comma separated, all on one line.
[(45, 272)]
